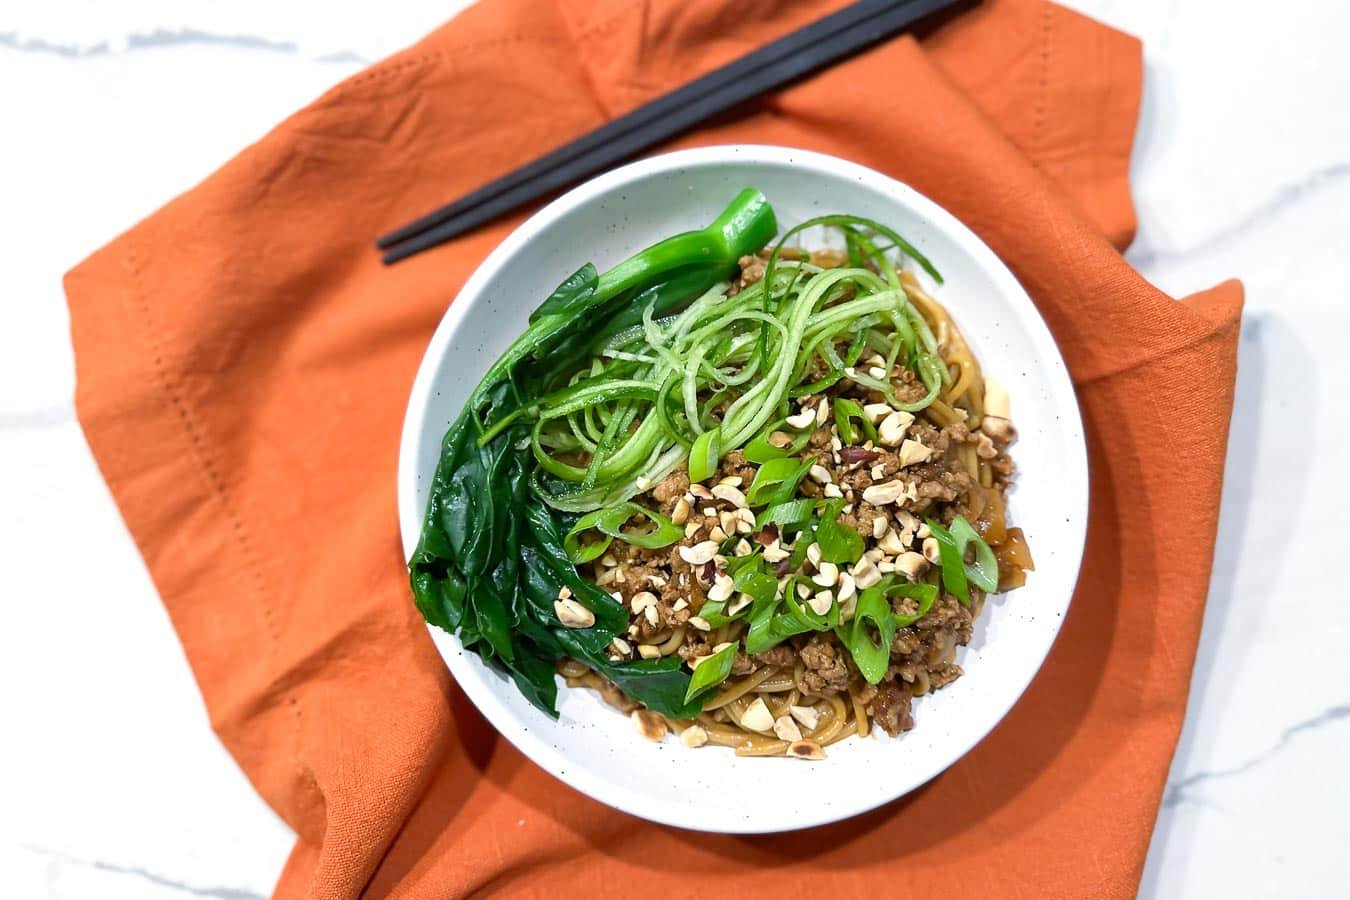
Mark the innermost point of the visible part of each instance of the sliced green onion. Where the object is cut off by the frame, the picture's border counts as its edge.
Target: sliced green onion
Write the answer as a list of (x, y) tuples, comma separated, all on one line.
[(609, 521), (799, 618), (776, 481), (926, 594), (705, 454), (792, 515), (953, 563), (759, 584), (769, 626), (983, 572), (871, 655), (579, 552), (838, 543), (759, 450), (736, 564), (671, 369), (822, 343), (714, 613), (846, 413), (760, 636), (711, 672)]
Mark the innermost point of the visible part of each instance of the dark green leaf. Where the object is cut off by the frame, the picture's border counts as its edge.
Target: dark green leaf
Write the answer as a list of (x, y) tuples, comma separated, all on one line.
[(573, 295)]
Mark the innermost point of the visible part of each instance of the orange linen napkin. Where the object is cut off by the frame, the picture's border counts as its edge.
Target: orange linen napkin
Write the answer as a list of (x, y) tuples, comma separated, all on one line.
[(244, 359)]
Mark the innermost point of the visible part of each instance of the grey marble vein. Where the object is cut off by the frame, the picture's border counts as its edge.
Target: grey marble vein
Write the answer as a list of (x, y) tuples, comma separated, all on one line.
[(162, 37), (221, 893), (1179, 792), (11, 41), (1285, 196), (342, 56)]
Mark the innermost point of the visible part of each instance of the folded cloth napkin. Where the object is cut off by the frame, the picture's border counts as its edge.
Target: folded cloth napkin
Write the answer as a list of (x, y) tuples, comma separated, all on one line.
[(243, 361)]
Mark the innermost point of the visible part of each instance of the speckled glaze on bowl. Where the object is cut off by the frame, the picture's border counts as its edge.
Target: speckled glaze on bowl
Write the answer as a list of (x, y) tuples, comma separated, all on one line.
[(591, 746)]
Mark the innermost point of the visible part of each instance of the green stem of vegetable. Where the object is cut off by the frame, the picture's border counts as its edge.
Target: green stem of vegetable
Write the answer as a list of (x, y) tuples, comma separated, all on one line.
[(747, 224)]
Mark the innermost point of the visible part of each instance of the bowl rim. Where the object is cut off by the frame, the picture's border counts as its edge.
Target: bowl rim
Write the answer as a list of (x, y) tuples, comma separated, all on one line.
[(463, 665)]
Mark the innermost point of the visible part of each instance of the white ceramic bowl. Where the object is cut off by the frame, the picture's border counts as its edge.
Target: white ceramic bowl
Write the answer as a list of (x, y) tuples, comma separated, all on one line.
[(592, 747)]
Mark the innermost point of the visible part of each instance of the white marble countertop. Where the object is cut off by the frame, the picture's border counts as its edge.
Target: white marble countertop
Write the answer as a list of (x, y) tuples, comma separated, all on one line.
[(112, 784)]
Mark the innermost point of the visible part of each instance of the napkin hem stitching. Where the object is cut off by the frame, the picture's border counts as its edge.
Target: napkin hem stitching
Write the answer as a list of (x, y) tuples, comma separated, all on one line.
[(210, 469)]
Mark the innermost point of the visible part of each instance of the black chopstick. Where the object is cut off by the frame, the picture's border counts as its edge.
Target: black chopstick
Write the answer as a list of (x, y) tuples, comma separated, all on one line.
[(810, 48), (798, 41)]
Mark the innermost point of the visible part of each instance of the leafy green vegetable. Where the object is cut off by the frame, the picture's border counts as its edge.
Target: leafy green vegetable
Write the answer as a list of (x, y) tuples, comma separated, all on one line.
[(572, 296), (711, 672)]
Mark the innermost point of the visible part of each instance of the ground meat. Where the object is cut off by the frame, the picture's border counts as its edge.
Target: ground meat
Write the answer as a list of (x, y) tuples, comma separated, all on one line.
[(643, 570), (910, 389), (752, 270), (859, 518), (944, 676), (696, 643), (826, 669), (958, 433), (734, 463), (671, 488), (663, 574), (820, 439), (906, 641), (782, 656), (948, 614), (743, 664), (890, 708), (936, 482)]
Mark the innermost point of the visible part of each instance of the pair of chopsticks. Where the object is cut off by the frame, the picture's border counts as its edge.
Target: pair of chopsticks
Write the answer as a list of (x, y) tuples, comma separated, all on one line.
[(787, 59)]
